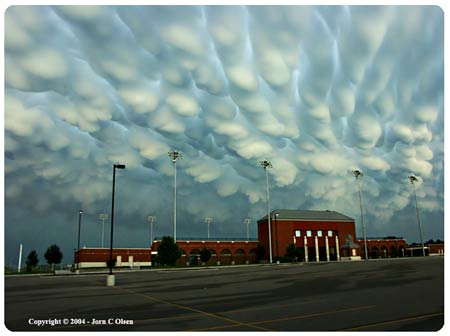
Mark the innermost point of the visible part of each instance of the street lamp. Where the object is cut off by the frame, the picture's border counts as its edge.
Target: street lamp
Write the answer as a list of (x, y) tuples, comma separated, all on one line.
[(151, 219), (175, 155), (414, 179), (115, 166), (247, 221), (359, 174), (79, 230), (266, 164), (208, 220), (103, 217)]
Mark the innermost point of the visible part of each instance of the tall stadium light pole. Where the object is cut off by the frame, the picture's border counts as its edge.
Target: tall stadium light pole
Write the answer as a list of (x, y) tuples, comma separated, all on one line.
[(79, 230), (414, 179), (208, 220), (266, 164), (79, 227), (359, 174), (151, 219), (247, 221), (103, 217), (115, 166), (174, 155)]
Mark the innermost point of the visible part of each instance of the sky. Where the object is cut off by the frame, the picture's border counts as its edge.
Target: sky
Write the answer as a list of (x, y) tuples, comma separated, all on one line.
[(317, 91)]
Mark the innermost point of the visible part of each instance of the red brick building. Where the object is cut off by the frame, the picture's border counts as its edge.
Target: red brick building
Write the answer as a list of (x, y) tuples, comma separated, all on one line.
[(384, 247), (125, 257), (223, 252), (321, 235)]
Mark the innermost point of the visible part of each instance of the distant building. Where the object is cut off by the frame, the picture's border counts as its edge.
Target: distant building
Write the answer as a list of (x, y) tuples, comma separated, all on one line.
[(223, 251), (389, 247), (125, 257), (319, 235)]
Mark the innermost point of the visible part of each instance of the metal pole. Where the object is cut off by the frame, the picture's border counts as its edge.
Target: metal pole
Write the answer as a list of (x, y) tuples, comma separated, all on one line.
[(175, 155), (247, 221), (20, 258), (362, 219), (268, 214), (418, 216), (103, 217), (208, 221), (103, 231), (79, 228), (175, 201), (112, 220), (357, 174)]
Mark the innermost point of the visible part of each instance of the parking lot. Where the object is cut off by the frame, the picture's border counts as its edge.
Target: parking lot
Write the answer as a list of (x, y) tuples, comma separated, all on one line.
[(375, 295)]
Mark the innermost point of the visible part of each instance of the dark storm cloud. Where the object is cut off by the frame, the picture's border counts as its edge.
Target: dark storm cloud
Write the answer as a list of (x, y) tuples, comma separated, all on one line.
[(317, 90)]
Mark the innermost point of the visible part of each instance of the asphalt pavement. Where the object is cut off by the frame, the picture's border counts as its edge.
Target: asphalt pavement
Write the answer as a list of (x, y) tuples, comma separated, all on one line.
[(402, 294)]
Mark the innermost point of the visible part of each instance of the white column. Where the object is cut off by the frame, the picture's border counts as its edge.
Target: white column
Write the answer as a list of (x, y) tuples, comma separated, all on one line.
[(337, 248), (316, 242), (306, 248), (327, 248)]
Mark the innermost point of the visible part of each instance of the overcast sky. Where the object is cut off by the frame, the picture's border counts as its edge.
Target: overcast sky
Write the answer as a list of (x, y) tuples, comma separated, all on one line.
[(318, 91)]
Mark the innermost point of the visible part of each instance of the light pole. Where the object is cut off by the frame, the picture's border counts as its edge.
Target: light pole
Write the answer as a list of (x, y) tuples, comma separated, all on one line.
[(414, 179), (208, 220), (151, 219), (247, 221), (103, 217), (266, 164), (115, 166), (359, 174), (79, 230), (175, 155)]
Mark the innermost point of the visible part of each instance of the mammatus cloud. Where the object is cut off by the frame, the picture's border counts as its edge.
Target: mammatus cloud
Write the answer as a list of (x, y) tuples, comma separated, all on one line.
[(318, 91)]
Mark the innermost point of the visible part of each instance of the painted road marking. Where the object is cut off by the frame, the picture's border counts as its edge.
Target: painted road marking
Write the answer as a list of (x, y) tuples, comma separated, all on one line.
[(413, 318)]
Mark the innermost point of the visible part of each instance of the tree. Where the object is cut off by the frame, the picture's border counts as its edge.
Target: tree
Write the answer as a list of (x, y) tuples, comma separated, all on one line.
[(260, 252), (168, 251), (53, 255), (32, 260), (293, 252), (205, 255)]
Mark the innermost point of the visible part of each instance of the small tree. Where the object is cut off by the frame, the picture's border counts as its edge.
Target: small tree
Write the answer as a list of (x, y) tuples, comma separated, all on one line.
[(205, 255), (260, 252), (53, 255), (168, 251), (293, 252), (32, 260)]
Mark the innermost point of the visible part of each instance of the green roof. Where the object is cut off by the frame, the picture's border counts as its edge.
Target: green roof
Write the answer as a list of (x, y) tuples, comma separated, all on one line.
[(313, 215)]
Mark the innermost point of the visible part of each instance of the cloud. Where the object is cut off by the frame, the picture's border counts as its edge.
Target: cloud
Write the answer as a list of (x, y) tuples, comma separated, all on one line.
[(318, 91)]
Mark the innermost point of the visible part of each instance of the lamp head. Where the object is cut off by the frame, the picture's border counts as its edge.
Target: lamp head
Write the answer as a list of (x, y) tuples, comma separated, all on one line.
[(119, 166), (357, 173), (413, 179)]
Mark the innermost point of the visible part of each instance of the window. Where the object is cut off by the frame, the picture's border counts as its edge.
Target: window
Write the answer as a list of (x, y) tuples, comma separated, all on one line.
[(309, 233), (319, 233), (297, 233), (330, 233)]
